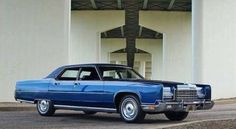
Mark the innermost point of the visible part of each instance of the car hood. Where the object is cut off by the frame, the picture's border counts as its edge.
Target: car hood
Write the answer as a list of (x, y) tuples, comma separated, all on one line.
[(165, 83)]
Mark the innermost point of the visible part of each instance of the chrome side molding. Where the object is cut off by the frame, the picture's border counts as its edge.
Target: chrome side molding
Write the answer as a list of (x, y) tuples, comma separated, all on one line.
[(25, 101), (80, 108), (84, 108)]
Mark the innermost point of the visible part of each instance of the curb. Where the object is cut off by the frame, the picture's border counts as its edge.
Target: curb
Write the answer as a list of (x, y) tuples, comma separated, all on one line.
[(17, 109), (15, 106)]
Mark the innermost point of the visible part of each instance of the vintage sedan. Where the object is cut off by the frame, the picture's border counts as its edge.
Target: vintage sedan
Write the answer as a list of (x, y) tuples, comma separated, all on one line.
[(112, 88)]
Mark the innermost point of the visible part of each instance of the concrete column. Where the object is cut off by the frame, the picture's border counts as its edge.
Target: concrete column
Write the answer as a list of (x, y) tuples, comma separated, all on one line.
[(143, 68), (214, 59), (197, 40), (34, 37)]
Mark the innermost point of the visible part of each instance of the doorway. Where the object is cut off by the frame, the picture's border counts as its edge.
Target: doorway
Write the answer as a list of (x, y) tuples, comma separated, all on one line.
[(142, 62)]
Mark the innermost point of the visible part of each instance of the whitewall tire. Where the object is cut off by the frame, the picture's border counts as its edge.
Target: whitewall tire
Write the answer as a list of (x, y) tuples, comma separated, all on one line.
[(130, 109), (45, 108)]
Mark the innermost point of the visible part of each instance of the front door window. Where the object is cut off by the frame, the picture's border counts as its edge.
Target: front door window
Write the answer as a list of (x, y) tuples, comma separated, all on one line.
[(88, 73)]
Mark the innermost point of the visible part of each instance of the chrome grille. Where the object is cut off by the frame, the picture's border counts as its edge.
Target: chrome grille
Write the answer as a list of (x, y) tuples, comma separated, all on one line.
[(186, 95)]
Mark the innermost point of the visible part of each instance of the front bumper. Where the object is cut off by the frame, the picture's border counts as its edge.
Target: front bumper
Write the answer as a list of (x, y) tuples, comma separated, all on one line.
[(178, 106)]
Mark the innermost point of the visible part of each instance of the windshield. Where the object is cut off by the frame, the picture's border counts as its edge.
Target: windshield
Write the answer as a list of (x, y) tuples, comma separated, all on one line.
[(119, 73)]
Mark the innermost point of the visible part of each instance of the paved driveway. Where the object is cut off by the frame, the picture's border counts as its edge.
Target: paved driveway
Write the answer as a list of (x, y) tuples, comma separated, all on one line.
[(73, 119)]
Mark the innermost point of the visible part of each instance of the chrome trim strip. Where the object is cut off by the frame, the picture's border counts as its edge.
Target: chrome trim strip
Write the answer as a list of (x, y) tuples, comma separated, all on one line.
[(146, 105), (52, 91), (85, 108), (193, 102), (31, 91), (76, 92), (179, 102), (174, 94), (25, 101)]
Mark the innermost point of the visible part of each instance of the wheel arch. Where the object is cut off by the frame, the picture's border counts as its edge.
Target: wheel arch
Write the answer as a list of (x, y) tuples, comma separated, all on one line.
[(119, 95), (36, 100)]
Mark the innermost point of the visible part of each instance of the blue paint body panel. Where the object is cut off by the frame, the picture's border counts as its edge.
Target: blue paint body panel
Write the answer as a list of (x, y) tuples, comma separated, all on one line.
[(92, 93)]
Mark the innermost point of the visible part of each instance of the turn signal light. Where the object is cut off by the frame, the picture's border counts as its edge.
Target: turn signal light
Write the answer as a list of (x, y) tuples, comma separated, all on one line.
[(151, 107)]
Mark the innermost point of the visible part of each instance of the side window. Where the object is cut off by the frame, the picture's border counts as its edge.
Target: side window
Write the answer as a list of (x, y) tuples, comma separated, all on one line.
[(69, 75), (88, 73), (84, 73), (110, 74)]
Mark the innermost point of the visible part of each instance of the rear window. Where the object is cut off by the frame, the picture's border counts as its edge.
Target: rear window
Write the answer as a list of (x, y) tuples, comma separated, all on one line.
[(69, 74)]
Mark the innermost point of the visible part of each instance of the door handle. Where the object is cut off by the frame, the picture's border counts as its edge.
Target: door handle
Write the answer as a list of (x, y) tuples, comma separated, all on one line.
[(56, 83), (77, 83)]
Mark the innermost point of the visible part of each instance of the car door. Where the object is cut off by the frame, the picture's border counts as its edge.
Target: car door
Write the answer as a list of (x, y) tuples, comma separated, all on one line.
[(89, 88), (111, 84), (61, 89)]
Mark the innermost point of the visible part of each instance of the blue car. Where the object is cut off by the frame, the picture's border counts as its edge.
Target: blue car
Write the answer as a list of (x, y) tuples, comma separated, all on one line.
[(112, 88)]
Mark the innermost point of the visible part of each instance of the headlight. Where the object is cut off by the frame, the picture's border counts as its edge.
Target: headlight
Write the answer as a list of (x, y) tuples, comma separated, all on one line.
[(200, 92), (167, 94)]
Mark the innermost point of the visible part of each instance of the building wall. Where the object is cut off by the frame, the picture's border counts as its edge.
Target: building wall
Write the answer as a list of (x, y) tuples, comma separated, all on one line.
[(33, 40), (155, 48), (152, 46), (214, 45), (86, 27), (177, 47), (110, 45)]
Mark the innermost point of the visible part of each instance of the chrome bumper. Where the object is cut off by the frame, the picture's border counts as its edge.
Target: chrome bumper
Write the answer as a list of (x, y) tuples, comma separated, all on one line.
[(178, 106)]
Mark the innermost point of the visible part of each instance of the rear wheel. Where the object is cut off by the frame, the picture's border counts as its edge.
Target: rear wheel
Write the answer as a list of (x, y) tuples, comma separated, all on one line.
[(130, 109), (45, 108), (176, 116), (89, 112)]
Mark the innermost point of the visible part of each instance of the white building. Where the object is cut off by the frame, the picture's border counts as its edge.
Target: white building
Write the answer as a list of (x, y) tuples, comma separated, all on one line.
[(37, 36)]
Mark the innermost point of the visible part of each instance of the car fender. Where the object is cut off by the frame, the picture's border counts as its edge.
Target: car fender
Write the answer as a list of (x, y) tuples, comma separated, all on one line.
[(127, 91)]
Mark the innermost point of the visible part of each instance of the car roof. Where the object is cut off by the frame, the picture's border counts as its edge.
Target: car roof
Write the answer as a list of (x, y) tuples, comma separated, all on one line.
[(94, 64), (58, 70)]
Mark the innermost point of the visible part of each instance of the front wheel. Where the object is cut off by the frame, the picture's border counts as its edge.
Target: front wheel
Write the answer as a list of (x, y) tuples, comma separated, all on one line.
[(45, 108), (176, 116), (130, 109)]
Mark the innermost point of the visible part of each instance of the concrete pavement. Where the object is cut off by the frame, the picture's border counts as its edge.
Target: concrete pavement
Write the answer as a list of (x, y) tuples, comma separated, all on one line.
[(75, 119)]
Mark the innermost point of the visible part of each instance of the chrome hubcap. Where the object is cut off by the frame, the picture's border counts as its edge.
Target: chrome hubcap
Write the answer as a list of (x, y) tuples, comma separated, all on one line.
[(129, 109), (43, 106)]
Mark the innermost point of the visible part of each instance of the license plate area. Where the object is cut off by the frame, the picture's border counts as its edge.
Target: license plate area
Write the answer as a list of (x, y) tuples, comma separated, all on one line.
[(191, 108)]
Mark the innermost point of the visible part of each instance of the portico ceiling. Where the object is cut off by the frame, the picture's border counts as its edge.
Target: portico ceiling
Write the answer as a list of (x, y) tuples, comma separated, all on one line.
[(160, 5)]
